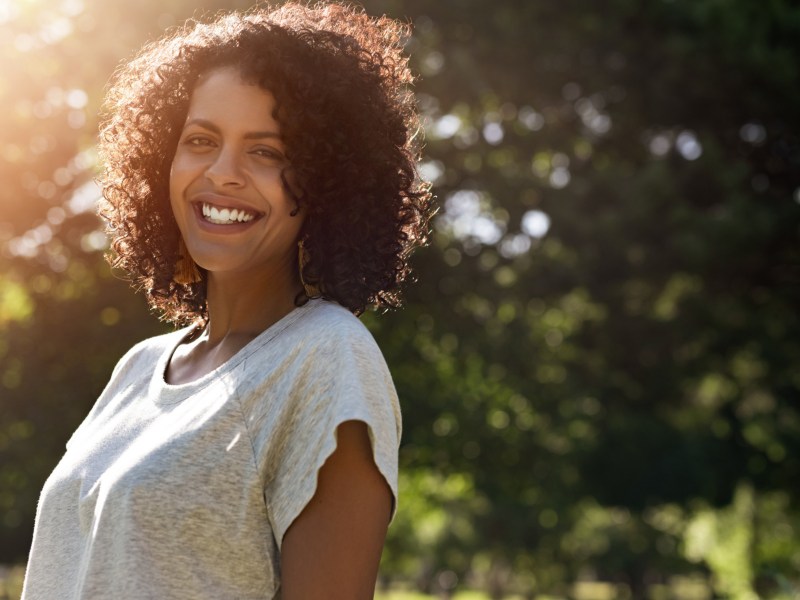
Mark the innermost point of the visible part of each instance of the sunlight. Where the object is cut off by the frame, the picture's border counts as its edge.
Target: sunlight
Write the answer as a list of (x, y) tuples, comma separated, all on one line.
[(9, 9), (52, 22)]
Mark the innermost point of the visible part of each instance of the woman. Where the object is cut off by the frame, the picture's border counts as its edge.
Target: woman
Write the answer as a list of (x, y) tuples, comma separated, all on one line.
[(259, 186)]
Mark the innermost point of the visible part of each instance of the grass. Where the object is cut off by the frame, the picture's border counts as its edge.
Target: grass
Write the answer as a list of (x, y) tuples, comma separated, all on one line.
[(411, 595), (11, 582), (11, 589)]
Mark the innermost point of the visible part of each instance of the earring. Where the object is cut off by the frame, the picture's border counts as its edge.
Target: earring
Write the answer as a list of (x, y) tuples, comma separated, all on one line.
[(186, 271), (302, 260)]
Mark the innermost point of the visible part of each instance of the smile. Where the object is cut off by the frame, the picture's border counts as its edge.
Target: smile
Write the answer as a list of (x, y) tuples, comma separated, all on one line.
[(226, 216)]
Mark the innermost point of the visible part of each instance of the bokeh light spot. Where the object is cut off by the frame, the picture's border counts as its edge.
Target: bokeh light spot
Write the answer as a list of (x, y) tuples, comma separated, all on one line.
[(498, 419), (531, 119), (471, 449), (548, 518), (515, 245), (688, 145), (446, 126), (560, 178), (94, 241), (753, 133), (15, 304), (659, 145), (431, 170), (535, 223), (432, 63), (493, 133), (109, 316), (8, 11)]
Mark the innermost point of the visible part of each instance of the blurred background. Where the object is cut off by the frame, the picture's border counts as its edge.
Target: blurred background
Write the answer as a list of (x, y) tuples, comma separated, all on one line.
[(600, 364)]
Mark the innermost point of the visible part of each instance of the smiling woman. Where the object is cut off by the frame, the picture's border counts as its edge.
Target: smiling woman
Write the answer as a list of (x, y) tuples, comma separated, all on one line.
[(348, 136), (226, 192), (260, 185)]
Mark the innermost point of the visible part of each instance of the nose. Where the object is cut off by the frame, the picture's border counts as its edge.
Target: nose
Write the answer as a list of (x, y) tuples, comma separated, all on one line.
[(225, 170)]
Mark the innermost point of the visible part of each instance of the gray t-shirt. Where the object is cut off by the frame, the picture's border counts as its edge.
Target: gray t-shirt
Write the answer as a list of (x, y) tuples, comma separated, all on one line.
[(186, 491)]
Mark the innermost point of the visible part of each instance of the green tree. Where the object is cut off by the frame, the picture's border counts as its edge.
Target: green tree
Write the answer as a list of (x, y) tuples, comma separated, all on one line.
[(641, 353), (598, 363)]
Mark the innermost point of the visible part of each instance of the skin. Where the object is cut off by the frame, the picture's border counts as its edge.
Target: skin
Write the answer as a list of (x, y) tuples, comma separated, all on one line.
[(230, 154), (252, 273)]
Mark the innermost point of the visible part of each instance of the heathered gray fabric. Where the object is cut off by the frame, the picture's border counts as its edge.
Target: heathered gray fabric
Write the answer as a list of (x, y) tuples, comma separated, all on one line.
[(185, 491)]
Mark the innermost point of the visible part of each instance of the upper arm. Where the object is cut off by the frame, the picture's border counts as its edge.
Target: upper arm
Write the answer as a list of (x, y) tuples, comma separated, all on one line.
[(332, 549)]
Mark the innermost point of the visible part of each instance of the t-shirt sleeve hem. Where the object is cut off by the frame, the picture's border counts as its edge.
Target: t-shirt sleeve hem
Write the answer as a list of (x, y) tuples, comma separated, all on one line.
[(283, 514)]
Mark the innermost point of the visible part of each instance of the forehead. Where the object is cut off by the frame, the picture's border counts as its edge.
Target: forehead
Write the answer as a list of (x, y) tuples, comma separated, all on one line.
[(224, 97)]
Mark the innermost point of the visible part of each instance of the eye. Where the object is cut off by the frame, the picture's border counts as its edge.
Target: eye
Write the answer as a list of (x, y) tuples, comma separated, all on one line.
[(198, 140), (267, 153)]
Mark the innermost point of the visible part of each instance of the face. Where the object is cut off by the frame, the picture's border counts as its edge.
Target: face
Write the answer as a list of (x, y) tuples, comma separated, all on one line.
[(225, 186)]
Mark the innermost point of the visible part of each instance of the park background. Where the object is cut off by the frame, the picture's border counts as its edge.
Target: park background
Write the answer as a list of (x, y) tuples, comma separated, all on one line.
[(600, 363)]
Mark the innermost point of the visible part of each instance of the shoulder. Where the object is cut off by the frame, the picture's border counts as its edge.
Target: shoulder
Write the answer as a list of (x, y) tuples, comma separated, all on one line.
[(325, 351), (129, 379), (334, 339), (147, 352), (320, 328), (323, 357), (330, 321)]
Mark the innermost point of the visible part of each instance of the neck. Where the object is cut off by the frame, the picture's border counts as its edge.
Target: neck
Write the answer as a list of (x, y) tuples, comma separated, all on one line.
[(245, 304)]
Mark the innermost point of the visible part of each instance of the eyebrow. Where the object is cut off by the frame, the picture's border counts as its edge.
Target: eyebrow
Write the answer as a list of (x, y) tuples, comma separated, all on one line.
[(251, 135)]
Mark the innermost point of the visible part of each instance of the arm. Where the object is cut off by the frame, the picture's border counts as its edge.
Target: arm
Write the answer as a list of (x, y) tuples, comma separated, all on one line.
[(332, 550)]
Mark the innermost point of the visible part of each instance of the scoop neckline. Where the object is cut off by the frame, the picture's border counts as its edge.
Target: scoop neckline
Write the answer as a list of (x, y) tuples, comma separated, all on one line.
[(162, 392)]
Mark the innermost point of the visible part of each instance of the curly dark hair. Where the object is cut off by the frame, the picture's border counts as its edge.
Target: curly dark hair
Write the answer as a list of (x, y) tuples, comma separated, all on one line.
[(350, 127)]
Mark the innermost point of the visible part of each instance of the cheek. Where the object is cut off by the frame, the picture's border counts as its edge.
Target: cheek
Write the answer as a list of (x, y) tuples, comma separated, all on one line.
[(177, 170), (180, 174)]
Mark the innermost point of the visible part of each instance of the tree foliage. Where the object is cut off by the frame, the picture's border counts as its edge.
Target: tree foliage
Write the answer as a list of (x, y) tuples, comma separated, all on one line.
[(598, 364)]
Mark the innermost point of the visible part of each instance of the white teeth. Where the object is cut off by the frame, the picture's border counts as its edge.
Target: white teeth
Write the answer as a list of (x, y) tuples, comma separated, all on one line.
[(225, 216)]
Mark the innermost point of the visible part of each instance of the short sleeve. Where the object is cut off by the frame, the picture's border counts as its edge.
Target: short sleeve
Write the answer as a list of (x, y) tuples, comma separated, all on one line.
[(343, 378)]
